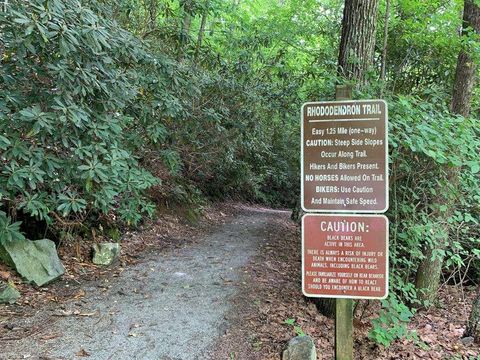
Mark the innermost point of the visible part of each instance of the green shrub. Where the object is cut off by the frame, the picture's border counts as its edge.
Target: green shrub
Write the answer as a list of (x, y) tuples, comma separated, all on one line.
[(67, 77), (392, 322), (426, 140)]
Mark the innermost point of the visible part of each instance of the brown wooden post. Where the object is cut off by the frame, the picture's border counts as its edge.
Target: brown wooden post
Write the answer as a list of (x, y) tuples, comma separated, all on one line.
[(343, 307), (344, 329), (343, 92)]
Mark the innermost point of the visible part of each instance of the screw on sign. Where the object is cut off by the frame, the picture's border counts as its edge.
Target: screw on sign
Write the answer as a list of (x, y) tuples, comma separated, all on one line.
[(344, 156), (345, 256)]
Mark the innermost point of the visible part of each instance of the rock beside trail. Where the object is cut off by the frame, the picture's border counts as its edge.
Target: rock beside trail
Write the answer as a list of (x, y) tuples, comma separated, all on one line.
[(36, 261), (466, 341), (300, 348), (8, 293), (105, 253)]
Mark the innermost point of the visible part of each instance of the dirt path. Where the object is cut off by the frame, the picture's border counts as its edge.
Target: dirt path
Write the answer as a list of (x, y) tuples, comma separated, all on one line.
[(170, 306), (222, 296)]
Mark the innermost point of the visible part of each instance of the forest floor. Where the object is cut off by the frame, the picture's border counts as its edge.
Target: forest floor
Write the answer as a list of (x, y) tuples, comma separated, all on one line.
[(219, 289)]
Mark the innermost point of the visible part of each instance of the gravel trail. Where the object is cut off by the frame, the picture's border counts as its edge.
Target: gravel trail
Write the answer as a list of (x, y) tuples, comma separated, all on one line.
[(170, 306)]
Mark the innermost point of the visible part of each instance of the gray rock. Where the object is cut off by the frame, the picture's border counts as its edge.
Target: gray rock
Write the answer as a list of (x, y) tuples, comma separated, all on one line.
[(8, 293), (469, 340), (105, 253), (300, 348), (36, 261)]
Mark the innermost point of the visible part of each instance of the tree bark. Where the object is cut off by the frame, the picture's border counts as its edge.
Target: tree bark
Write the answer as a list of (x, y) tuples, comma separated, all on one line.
[(325, 306), (153, 13), (358, 38), (466, 67), (473, 325), (428, 273), (201, 31), (385, 46)]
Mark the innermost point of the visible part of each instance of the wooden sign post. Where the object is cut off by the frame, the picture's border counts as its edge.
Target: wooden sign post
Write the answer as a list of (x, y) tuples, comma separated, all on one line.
[(344, 171), (343, 329)]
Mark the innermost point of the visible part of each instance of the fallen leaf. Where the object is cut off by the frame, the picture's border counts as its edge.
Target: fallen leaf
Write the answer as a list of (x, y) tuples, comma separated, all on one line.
[(80, 294), (82, 353), (5, 275)]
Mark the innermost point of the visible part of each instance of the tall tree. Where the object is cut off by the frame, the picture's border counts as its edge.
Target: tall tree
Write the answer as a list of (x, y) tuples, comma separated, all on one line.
[(473, 324), (466, 67), (357, 44), (186, 20), (428, 273), (355, 57), (465, 77), (202, 29)]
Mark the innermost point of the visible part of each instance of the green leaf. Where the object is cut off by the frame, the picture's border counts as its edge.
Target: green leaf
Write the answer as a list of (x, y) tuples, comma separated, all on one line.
[(4, 142), (9, 231)]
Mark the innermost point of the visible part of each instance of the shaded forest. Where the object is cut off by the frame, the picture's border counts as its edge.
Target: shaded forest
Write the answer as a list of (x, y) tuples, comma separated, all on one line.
[(110, 110)]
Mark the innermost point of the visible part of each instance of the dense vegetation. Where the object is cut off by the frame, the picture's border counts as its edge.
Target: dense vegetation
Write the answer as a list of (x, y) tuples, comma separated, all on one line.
[(107, 108)]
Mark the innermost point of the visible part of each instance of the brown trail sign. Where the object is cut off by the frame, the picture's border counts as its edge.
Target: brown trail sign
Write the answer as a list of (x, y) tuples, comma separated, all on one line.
[(344, 169), (345, 256), (344, 156)]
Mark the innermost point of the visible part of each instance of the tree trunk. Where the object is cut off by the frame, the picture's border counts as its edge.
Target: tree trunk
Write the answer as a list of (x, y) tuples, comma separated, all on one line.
[(461, 104), (465, 74), (185, 30), (153, 13), (473, 325), (355, 57), (326, 306), (358, 38), (201, 31), (429, 271), (430, 268), (385, 46)]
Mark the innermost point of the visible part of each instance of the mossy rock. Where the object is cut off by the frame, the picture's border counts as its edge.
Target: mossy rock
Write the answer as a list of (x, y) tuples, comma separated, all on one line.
[(8, 293), (105, 253), (36, 261), (300, 348)]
